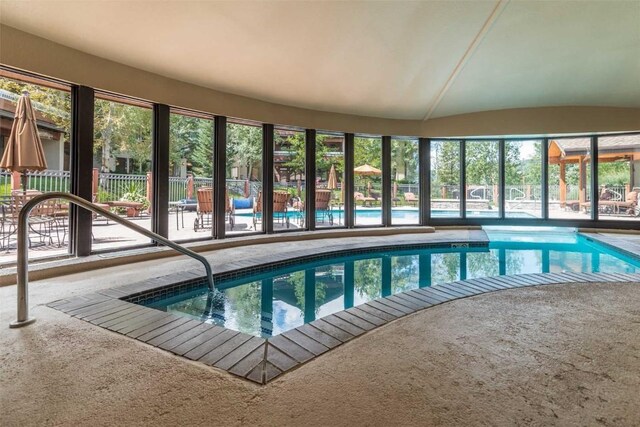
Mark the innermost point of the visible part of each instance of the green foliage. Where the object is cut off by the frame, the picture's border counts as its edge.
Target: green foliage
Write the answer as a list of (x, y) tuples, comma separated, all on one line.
[(134, 192), (191, 138), (244, 147), (54, 104)]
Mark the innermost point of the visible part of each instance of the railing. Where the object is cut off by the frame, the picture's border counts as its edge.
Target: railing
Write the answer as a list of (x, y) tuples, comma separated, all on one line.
[(23, 250)]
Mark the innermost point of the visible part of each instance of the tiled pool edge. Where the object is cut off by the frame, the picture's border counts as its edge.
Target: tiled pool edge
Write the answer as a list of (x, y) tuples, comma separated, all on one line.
[(261, 360)]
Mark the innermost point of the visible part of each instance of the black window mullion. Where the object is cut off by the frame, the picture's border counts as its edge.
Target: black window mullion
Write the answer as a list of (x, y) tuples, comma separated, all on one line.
[(81, 166), (386, 181), (219, 174), (544, 194), (463, 180), (160, 170), (424, 172), (349, 203), (267, 178), (502, 177), (595, 194), (310, 179)]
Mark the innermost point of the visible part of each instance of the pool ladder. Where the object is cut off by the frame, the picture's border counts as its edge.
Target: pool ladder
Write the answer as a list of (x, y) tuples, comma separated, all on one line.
[(23, 253)]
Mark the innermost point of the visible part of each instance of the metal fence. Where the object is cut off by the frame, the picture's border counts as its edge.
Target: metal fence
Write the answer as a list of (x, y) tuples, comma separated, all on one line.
[(113, 186)]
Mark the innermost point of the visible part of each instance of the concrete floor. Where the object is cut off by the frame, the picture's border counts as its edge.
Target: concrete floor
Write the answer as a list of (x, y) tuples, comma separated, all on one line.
[(553, 355)]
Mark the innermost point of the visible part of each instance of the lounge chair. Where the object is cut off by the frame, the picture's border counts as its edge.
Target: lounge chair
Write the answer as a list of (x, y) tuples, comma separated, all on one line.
[(411, 198), (361, 197), (616, 207), (323, 208), (204, 209), (280, 200)]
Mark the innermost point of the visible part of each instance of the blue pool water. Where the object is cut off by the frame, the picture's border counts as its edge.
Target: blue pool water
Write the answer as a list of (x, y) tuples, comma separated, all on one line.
[(275, 301)]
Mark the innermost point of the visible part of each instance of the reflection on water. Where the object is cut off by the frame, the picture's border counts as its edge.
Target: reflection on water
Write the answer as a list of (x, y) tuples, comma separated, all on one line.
[(271, 303)]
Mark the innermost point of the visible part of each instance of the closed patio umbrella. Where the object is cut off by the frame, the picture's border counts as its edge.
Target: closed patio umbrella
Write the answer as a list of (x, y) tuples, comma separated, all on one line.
[(332, 182), (23, 151)]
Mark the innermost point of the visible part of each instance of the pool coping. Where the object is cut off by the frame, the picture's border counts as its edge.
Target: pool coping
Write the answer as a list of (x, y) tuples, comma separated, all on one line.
[(261, 360)]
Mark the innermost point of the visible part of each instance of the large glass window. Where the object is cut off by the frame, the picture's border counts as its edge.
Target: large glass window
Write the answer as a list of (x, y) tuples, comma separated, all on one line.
[(49, 230), (570, 178), (405, 181), (122, 169), (368, 180), (482, 172), (523, 179), (190, 176), (329, 179), (445, 179), (619, 177), (289, 179), (244, 176)]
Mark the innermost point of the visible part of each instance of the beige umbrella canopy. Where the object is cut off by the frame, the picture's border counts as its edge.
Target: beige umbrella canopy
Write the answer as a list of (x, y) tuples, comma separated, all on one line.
[(332, 182), (23, 151), (367, 170)]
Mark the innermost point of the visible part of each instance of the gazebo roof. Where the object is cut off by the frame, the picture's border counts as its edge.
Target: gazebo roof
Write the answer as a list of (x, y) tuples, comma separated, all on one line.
[(611, 144)]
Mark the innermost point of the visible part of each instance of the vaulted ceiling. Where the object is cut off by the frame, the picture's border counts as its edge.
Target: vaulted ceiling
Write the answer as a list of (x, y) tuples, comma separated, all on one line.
[(396, 59)]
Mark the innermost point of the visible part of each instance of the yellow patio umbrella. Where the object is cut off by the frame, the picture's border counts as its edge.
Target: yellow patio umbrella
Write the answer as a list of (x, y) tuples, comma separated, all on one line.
[(367, 170), (23, 151)]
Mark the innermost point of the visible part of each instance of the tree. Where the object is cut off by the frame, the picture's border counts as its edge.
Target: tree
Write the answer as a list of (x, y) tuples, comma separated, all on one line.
[(244, 146)]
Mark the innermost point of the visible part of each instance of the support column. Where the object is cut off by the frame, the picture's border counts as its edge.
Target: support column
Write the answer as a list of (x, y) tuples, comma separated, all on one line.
[(160, 171), (463, 179), (502, 178), (386, 181), (563, 184), (267, 178), (349, 203), (80, 220), (310, 181), (424, 168), (219, 174)]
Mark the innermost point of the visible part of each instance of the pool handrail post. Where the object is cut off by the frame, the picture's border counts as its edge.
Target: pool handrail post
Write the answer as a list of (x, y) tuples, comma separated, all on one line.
[(23, 252)]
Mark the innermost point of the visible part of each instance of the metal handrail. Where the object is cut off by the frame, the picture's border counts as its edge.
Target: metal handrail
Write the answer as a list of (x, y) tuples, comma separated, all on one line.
[(23, 253)]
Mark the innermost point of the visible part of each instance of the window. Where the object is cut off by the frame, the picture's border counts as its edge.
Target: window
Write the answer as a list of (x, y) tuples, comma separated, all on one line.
[(405, 181), (329, 179), (190, 176), (523, 179), (482, 172), (289, 179), (368, 180), (445, 179), (244, 177), (49, 229), (619, 177), (122, 169), (569, 178)]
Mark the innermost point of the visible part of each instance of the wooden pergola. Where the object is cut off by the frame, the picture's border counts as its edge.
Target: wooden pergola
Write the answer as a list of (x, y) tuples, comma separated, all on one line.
[(577, 150)]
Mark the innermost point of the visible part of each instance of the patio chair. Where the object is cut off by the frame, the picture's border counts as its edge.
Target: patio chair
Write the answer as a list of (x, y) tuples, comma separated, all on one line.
[(280, 201), (323, 206), (42, 221), (204, 209), (411, 198), (361, 197), (375, 195)]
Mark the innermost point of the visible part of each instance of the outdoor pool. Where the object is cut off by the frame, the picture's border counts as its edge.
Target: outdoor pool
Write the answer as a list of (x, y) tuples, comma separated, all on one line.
[(277, 300)]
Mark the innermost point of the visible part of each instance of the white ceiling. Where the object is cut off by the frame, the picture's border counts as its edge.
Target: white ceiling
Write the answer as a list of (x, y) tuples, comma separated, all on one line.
[(397, 59)]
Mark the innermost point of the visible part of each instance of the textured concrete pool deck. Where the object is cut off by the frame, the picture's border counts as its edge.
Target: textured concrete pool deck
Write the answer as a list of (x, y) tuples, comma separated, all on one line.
[(563, 354)]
